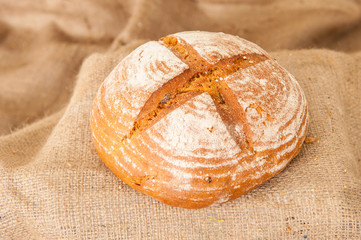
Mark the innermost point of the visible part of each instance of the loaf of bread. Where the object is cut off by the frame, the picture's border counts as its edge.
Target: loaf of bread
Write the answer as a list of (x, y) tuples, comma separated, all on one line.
[(198, 118)]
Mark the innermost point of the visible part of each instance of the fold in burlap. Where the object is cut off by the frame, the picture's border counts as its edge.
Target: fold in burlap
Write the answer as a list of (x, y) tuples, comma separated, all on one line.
[(54, 186)]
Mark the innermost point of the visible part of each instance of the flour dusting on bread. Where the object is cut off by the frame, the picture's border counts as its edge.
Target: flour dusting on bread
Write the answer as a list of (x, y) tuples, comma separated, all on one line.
[(198, 118)]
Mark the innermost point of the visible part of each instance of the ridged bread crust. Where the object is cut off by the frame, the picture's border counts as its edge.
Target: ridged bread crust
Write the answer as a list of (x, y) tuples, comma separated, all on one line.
[(198, 118)]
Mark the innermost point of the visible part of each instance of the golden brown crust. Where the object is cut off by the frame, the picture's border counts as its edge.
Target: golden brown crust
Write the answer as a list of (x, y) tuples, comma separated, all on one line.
[(216, 118)]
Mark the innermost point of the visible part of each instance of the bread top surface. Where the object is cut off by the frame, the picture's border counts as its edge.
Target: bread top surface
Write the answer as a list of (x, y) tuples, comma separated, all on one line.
[(198, 118)]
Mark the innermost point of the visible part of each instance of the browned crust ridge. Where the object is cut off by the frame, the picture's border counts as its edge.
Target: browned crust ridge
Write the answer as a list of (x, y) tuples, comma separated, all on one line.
[(201, 77)]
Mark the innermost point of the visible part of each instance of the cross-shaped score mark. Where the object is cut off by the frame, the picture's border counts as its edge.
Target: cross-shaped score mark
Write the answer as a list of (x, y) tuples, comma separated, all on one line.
[(201, 77)]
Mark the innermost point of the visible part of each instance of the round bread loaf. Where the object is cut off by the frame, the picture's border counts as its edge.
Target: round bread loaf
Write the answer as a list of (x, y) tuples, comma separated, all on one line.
[(198, 118)]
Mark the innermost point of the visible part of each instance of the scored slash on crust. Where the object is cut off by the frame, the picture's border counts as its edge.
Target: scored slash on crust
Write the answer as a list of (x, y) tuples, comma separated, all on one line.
[(199, 78)]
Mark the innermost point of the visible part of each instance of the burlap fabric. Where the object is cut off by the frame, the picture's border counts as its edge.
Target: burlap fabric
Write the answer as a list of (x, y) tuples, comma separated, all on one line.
[(54, 55)]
